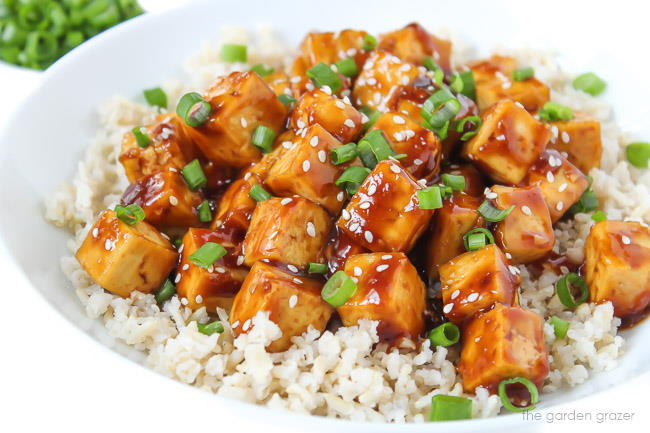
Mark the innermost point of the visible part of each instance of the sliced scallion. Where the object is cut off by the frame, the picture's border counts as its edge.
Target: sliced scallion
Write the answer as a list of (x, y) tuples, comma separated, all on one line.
[(352, 178), (369, 42), (456, 83), (455, 181), (258, 193), (343, 154), (638, 154), (209, 253), (210, 328), (156, 97), (444, 335), (374, 147), (477, 238), (263, 138), (554, 112), (262, 70), (476, 121), (563, 288), (194, 175), (430, 197), (130, 214), (287, 99), (522, 74), (450, 408), (193, 109), (492, 214), (338, 289), (372, 116), (234, 53), (205, 212), (347, 67), (141, 136), (560, 327), (316, 268), (505, 399), (469, 85), (599, 216), (589, 83), (322, 75), (165, 293)]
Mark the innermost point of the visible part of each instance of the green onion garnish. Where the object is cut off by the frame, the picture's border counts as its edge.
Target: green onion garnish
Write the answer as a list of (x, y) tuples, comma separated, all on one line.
[(450, 408), (456, 83), (372, 115), (352, 178), (554, 112), (492, 214), (322, 75), (177, 242), (469, 86), (430, 197), (316, 268), (442, 115), (505, 399), (141, 136), (209, 253), (287, 99), (234, 53), (193, 109), (258, 193), (589, 83), (522, 74), (430, 64), (263, 138), (205, 212), (599, 216), (130, 214), (194, 175), (588, 202), (343, 154), (638, 154), (165, 293), (215, 327), (437, 99), (456, 182), (560, 327), (444, 335), (338, 289), (474, 120), (477, 238), (347, 67), (369, 42), (374, 147), (563, 288), (156, 97), (262, 70)]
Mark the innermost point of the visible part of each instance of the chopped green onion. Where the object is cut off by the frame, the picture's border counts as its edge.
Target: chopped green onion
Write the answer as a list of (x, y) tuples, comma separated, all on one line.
[(369, 42), (156, 97), (342, 154), (215, 327), (554, 112), (352, 178), (443, 114), (456, 182), (258, 193), (141, 136), (322, 75), (430, 64), (445, 190), (589, 83), (456, 83), (588, 202), (430, 197), (286, 99), (347, 67), (130, 214), (193, 109), (372, 116), (450, 408), (316, 268), (599, 216), (474, 120), (638, 154), (560, 327), (263, 138), (477, 238), (469, 86), (445, 335), (234, 53), (194, 175), (563, 288), (437, 99), (205, 212), (73, 39), (505, 399), (338, 289), (209, 253), (374, 147), (522, 74), (492, 214), (165, 293), (177, 242), (262, 70)]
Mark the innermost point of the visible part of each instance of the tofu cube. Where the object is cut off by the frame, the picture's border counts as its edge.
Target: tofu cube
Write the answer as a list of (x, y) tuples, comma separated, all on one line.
[(338, 118), (475, 281), (561, 182), (166, 199), (390, 291), (236, 207), (413, 44), (240, 102), (503, 343), (293, 302), (339, 248), (456, 217), (384, 214), (508, 143), (287, 230), (306, 170), (420, 145), (580, 139), (617, 266), (124, 258), (527, 232), (169, 148)]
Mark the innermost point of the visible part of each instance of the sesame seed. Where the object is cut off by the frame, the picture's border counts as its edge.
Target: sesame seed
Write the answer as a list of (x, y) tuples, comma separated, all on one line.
[(405, 80), (368, 236), (364, 205), (371, 81), (355, 279), (364, 118), (108, 245), (550, 177), (314, 141), (246, 325), (472, 297), (399, 120), (491, 195), (501, 137), (386, 257), (292, 268), (199, 299), (173, 169), (563, 187), (186, 266), (305, 165), (173, 200), (340, 104), (220, 270), (247, 176), (526, 210), (240, 260), (235, 324), (286, 145), (382, 268), (311, 229), (626, 240), (322, 156), (95, 232), (293, 300), (508, 256), (309, 86), (349, 123), (447, 308), (178, 278), (297, 280), (351, 52), (345, 214), (340, 196), (418, 161), (395, 169), (285, 201), (372, 189), (211, 269), (243, 122), (326, 89), (559, 206), (353, 227), (454, 294), (184, 301), (513, 270), (398, 136), (566, 137), (295, 79), (300, 123)]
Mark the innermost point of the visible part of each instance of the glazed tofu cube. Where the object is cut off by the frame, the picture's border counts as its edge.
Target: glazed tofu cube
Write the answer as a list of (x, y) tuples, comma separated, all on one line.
[(287, 230), (500, 344), (169, 148), (580, 139), (166, 199), (279, 83), (384, 214), (218, 177), (390, 291), (306, 170), (413, 44), (527, 232), (381, 80), (293, 302), (240, 102), (215, 286), (420, 145), (561, 182), (124, 258), (339, 248), (617, 266), (338, 118), (508, 143), (475, 281), (456, 217), (474, 180), (493, 79), (236, 207)]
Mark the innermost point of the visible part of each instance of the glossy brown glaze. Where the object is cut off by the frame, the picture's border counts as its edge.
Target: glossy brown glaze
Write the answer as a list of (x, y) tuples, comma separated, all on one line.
[(337, 117), (338, 248), (579, 139)]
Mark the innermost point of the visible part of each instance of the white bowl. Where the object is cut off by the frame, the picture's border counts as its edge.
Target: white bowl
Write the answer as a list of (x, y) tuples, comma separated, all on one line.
[(47, 134)]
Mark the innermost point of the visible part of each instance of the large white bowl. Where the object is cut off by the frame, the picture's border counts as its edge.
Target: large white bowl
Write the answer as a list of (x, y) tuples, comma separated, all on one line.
[(47, 134)]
